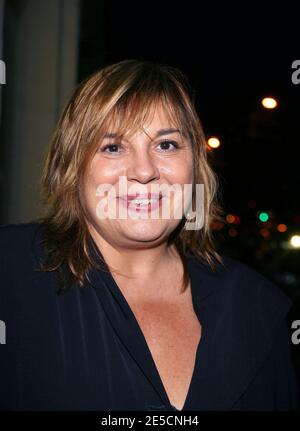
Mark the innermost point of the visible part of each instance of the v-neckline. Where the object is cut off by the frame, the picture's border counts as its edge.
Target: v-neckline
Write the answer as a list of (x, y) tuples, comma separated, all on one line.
[(200, 345), (201, 342), (218, 379)]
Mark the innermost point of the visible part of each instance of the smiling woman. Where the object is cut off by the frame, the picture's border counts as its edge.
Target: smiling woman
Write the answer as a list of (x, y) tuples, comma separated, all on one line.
[(135, 312)]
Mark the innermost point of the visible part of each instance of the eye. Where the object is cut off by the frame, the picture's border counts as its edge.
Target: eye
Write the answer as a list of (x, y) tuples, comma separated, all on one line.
[(166, 143), (113, 148), (110, 146)]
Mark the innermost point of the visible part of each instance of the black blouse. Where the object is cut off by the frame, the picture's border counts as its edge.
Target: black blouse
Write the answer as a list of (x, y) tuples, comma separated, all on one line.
[(84, 349)]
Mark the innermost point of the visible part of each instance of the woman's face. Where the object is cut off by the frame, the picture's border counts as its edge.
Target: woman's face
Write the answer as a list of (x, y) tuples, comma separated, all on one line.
[(155, 155)]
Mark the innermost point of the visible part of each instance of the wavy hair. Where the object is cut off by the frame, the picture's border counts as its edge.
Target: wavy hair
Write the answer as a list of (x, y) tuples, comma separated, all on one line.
[(123, 94)]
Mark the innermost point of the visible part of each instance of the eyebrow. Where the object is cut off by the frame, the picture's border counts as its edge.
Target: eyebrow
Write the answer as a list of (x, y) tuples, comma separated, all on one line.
[(163, 132), (160, 132)]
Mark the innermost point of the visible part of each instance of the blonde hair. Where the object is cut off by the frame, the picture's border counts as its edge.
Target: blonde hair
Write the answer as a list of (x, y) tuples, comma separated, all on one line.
[(122, 94)]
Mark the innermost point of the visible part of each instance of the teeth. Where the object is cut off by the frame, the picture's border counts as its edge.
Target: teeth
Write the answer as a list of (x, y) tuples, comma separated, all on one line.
[(144, 201)]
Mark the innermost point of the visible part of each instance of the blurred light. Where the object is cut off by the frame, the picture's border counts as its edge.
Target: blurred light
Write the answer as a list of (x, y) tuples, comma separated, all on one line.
[(263, 216), (295, 241), (269, 102), (285, 245), (282, 227), (265, 233), (289, 278), (251, 203), (233, 218), (230, 218), (285, 277), (232, 232), (236, 219), (213, 142), (217, 225)]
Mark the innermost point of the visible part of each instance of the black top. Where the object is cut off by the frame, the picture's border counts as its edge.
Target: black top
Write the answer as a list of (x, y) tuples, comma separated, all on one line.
[(84, 349)]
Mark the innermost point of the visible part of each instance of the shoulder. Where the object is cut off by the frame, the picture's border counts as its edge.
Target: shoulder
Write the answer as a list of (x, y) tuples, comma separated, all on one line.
[(243, 292), (246, 282), (18, 242), (10, 231), (244, 317), (24, 287)]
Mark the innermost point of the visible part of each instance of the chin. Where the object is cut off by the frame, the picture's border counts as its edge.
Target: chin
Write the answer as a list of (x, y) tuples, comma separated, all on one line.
[(144, 230)]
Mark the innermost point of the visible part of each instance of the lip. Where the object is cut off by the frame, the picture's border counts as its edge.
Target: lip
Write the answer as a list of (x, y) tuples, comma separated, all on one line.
[(141, 196), (127, 202)]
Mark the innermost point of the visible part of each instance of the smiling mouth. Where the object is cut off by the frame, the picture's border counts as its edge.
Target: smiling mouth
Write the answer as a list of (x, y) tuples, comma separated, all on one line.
[(142, 198), (141, 203)]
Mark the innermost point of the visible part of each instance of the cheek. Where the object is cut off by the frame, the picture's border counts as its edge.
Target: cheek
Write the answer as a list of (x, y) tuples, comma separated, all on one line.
[(98, 174), (182, 173), (190, 169), (91, 181), (95, 189), (104, 172)]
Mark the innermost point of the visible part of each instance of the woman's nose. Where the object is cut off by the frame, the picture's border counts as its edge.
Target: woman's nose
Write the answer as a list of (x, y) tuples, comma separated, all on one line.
[(142, 167)]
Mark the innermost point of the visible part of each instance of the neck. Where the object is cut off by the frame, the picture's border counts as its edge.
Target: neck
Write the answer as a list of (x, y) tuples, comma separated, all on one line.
[(143, 271)]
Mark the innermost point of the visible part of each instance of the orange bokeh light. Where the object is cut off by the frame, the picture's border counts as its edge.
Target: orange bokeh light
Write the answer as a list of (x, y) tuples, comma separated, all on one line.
[(282, 227)]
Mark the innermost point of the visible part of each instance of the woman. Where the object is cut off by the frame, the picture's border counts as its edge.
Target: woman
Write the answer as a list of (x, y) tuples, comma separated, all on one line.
[(105, 312)]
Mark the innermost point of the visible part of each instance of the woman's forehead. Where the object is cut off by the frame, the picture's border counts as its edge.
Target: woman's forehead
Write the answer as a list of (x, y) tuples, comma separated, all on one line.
[(158, 120)]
